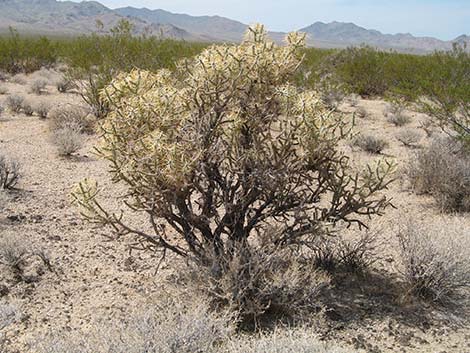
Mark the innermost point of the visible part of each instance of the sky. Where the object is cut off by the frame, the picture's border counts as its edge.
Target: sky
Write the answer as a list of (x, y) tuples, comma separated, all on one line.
[(444, 19)]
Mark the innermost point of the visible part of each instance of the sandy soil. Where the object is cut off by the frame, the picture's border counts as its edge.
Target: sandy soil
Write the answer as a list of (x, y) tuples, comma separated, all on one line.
[(95, 278)]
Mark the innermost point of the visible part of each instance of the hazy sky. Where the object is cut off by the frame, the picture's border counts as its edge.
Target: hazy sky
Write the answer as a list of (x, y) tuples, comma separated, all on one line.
[(445, 19)]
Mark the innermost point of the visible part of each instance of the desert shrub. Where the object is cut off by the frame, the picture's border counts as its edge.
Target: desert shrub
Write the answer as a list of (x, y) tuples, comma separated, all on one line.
[(436, 259), (9, 314), (4, 76), (42, 109), (354, 254), (76, 116), (299, 340), (38, 86), (443, 170), (409, 138), (332, 97), (14, 252), (64, 85), (226, 131), (14, 103), (353, 100), (370, 143), (263, 284), (162, 328), (361, 113), (396, 115), (427, 126), (27, 108), (3, 90), (9, 172), (68, 139), (19, 79)]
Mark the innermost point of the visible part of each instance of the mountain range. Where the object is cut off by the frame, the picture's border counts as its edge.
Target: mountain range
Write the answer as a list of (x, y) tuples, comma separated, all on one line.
[(52, 17)]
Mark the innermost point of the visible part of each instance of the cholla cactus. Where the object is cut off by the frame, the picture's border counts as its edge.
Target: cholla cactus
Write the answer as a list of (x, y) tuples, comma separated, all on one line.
[(223, 148)]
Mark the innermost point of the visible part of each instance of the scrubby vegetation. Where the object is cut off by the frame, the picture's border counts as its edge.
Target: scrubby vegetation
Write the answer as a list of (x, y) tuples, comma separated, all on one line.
[(9, 172), (239, 159)]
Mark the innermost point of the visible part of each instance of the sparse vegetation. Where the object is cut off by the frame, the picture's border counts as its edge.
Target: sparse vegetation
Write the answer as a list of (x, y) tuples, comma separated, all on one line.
[(38, 87), (409, 138), (436, 259), (443, 170), (396, 115), (370, 143), (27, 108), (63, 117), (68, 138), (9, 172), (42, 110), (361, 113), (229, 156), (3, 90), (64, 85), (15, 103)]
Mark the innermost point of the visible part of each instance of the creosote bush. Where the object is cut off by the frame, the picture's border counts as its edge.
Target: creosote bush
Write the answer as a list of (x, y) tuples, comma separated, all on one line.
[(9, 173), (443, 170), (370, 143), (436, 259), (14, 103), (226, 149)]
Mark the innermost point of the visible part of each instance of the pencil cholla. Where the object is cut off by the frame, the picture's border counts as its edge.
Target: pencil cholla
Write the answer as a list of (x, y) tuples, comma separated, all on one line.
[(225, 148)]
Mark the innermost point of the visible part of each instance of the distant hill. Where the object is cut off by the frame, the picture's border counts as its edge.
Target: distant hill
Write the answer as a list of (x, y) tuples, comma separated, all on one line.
[(71, 18), (346, 34)]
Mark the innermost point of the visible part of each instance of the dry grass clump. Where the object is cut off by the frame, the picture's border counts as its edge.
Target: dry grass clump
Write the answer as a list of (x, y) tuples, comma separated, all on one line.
[(299, 340), (353, 254), (71, 116), (15, 103), (9, 173), (68, 139), (9, 314), (42, 109), (361, 113), (168, 327), (409, 138), (443, 170), (396, 115), (370, 143), (38, 87), (266, 283), (436, 259)]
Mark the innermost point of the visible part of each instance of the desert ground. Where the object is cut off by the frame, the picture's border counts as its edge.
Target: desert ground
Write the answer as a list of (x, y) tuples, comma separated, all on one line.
[(92, 278)]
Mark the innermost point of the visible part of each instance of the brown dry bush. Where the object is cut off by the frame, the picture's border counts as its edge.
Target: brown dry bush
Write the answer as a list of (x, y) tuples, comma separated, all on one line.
[(443, 170), (71, 115), (9, 172), (435, 259), (370, 143)]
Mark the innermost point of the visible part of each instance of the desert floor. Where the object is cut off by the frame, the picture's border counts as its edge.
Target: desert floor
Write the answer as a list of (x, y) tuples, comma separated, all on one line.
[(92, 277)]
